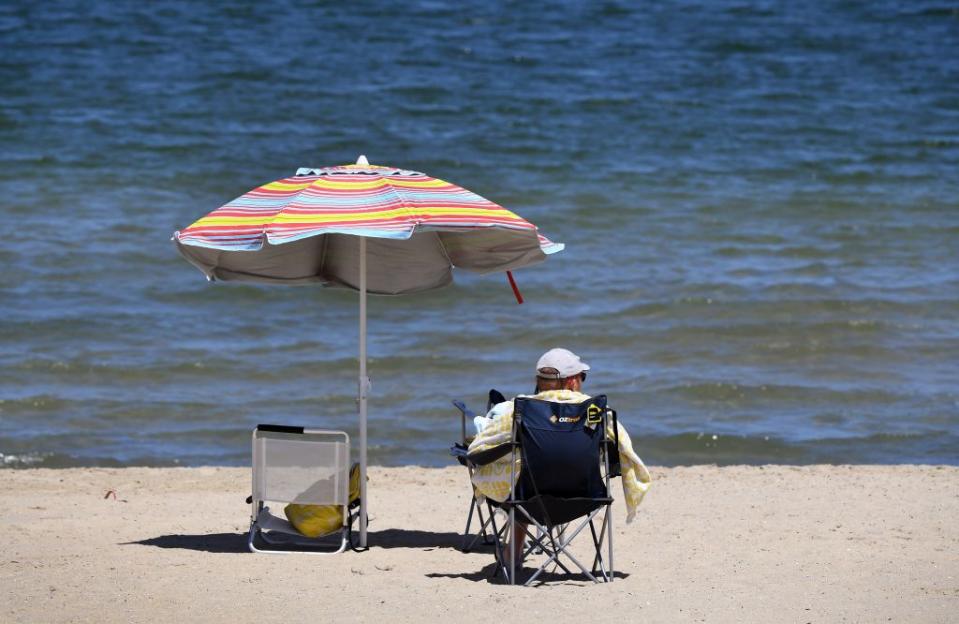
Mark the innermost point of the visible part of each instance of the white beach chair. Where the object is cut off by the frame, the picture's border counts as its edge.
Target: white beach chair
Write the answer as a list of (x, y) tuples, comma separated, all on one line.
[(297, 465)]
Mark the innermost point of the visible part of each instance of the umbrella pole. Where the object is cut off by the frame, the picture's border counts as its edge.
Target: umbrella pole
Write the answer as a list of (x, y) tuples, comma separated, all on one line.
[(364, 385)]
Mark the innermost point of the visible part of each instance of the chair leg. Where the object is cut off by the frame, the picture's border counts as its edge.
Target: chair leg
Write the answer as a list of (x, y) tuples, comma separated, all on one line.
[(562, 548), (605, 534), (484, 524), (608, 518), (538, 543), (538, 546), (466, 532), (470, 541), (511, 533), (602, 529), (553, 542), (598, 546), (539, 535), (255, 531), (482, 533), (500, 554)]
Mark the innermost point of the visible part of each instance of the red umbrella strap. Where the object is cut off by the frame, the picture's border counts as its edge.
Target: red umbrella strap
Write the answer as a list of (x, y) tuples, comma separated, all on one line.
[(512, 283)]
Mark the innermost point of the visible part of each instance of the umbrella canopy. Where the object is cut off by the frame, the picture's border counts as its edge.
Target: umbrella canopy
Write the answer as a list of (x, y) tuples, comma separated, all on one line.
[(374, 229), (306, 228)]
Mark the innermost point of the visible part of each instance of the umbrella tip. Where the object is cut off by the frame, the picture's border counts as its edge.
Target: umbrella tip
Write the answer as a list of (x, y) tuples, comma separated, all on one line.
[(362, 160)]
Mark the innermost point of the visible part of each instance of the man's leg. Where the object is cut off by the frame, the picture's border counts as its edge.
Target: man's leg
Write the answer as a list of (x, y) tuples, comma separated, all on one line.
[(518, 541)]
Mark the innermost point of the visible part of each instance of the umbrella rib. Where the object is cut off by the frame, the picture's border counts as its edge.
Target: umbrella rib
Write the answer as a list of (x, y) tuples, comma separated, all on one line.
[(399, 197)]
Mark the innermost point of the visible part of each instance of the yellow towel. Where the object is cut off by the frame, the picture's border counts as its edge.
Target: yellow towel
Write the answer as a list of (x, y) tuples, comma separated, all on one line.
[(320, 520), (492, 480)]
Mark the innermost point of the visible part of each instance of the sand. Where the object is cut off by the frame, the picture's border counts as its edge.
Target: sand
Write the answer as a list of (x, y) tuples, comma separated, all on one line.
[(730, 544)]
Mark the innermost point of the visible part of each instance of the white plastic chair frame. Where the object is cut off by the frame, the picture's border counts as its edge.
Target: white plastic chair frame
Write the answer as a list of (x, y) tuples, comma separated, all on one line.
[(264, 524)]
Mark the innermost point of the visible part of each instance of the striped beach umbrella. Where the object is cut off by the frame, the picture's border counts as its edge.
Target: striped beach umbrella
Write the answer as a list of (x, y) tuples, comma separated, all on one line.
[(375, 229)]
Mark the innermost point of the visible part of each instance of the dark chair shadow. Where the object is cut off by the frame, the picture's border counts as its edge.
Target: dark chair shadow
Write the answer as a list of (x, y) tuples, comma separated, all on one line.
[(206, 542), (237, 542), (488, 574), (408, 538), (485, 574)]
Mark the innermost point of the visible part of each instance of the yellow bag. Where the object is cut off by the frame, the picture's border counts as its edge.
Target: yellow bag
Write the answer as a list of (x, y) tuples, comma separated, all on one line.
[(319, 520)]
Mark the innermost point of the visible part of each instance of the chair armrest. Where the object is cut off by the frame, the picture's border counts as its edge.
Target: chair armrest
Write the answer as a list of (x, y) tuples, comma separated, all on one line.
[(488, 456), (459, 452)]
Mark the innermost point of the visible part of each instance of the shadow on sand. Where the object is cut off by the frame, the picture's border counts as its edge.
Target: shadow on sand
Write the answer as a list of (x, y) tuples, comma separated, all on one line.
[(488, 574), (236, 542), (388, 538), (205, 542)]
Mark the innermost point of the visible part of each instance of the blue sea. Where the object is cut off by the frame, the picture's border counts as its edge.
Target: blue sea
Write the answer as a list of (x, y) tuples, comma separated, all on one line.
[(759, 201)]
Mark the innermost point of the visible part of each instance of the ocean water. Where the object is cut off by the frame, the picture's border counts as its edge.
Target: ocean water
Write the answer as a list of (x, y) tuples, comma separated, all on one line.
[(760, 202)]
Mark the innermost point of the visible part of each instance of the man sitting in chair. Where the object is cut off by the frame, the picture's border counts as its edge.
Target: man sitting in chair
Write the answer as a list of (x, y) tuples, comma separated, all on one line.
[(560, 374)]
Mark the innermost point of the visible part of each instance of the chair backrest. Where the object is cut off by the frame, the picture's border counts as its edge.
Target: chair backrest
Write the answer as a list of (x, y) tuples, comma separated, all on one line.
[(560, 445), (296, 465)]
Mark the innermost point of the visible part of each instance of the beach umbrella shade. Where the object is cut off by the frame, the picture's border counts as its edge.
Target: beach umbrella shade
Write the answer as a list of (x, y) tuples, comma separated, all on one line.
[(374, 229)]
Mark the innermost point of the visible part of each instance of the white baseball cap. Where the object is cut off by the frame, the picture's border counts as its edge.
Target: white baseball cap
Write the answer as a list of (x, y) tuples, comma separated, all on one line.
[(563, 360)]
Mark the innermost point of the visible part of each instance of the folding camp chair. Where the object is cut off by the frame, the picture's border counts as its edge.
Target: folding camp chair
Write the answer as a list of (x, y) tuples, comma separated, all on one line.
[(458, 450), (297, 465), (567, 461)]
